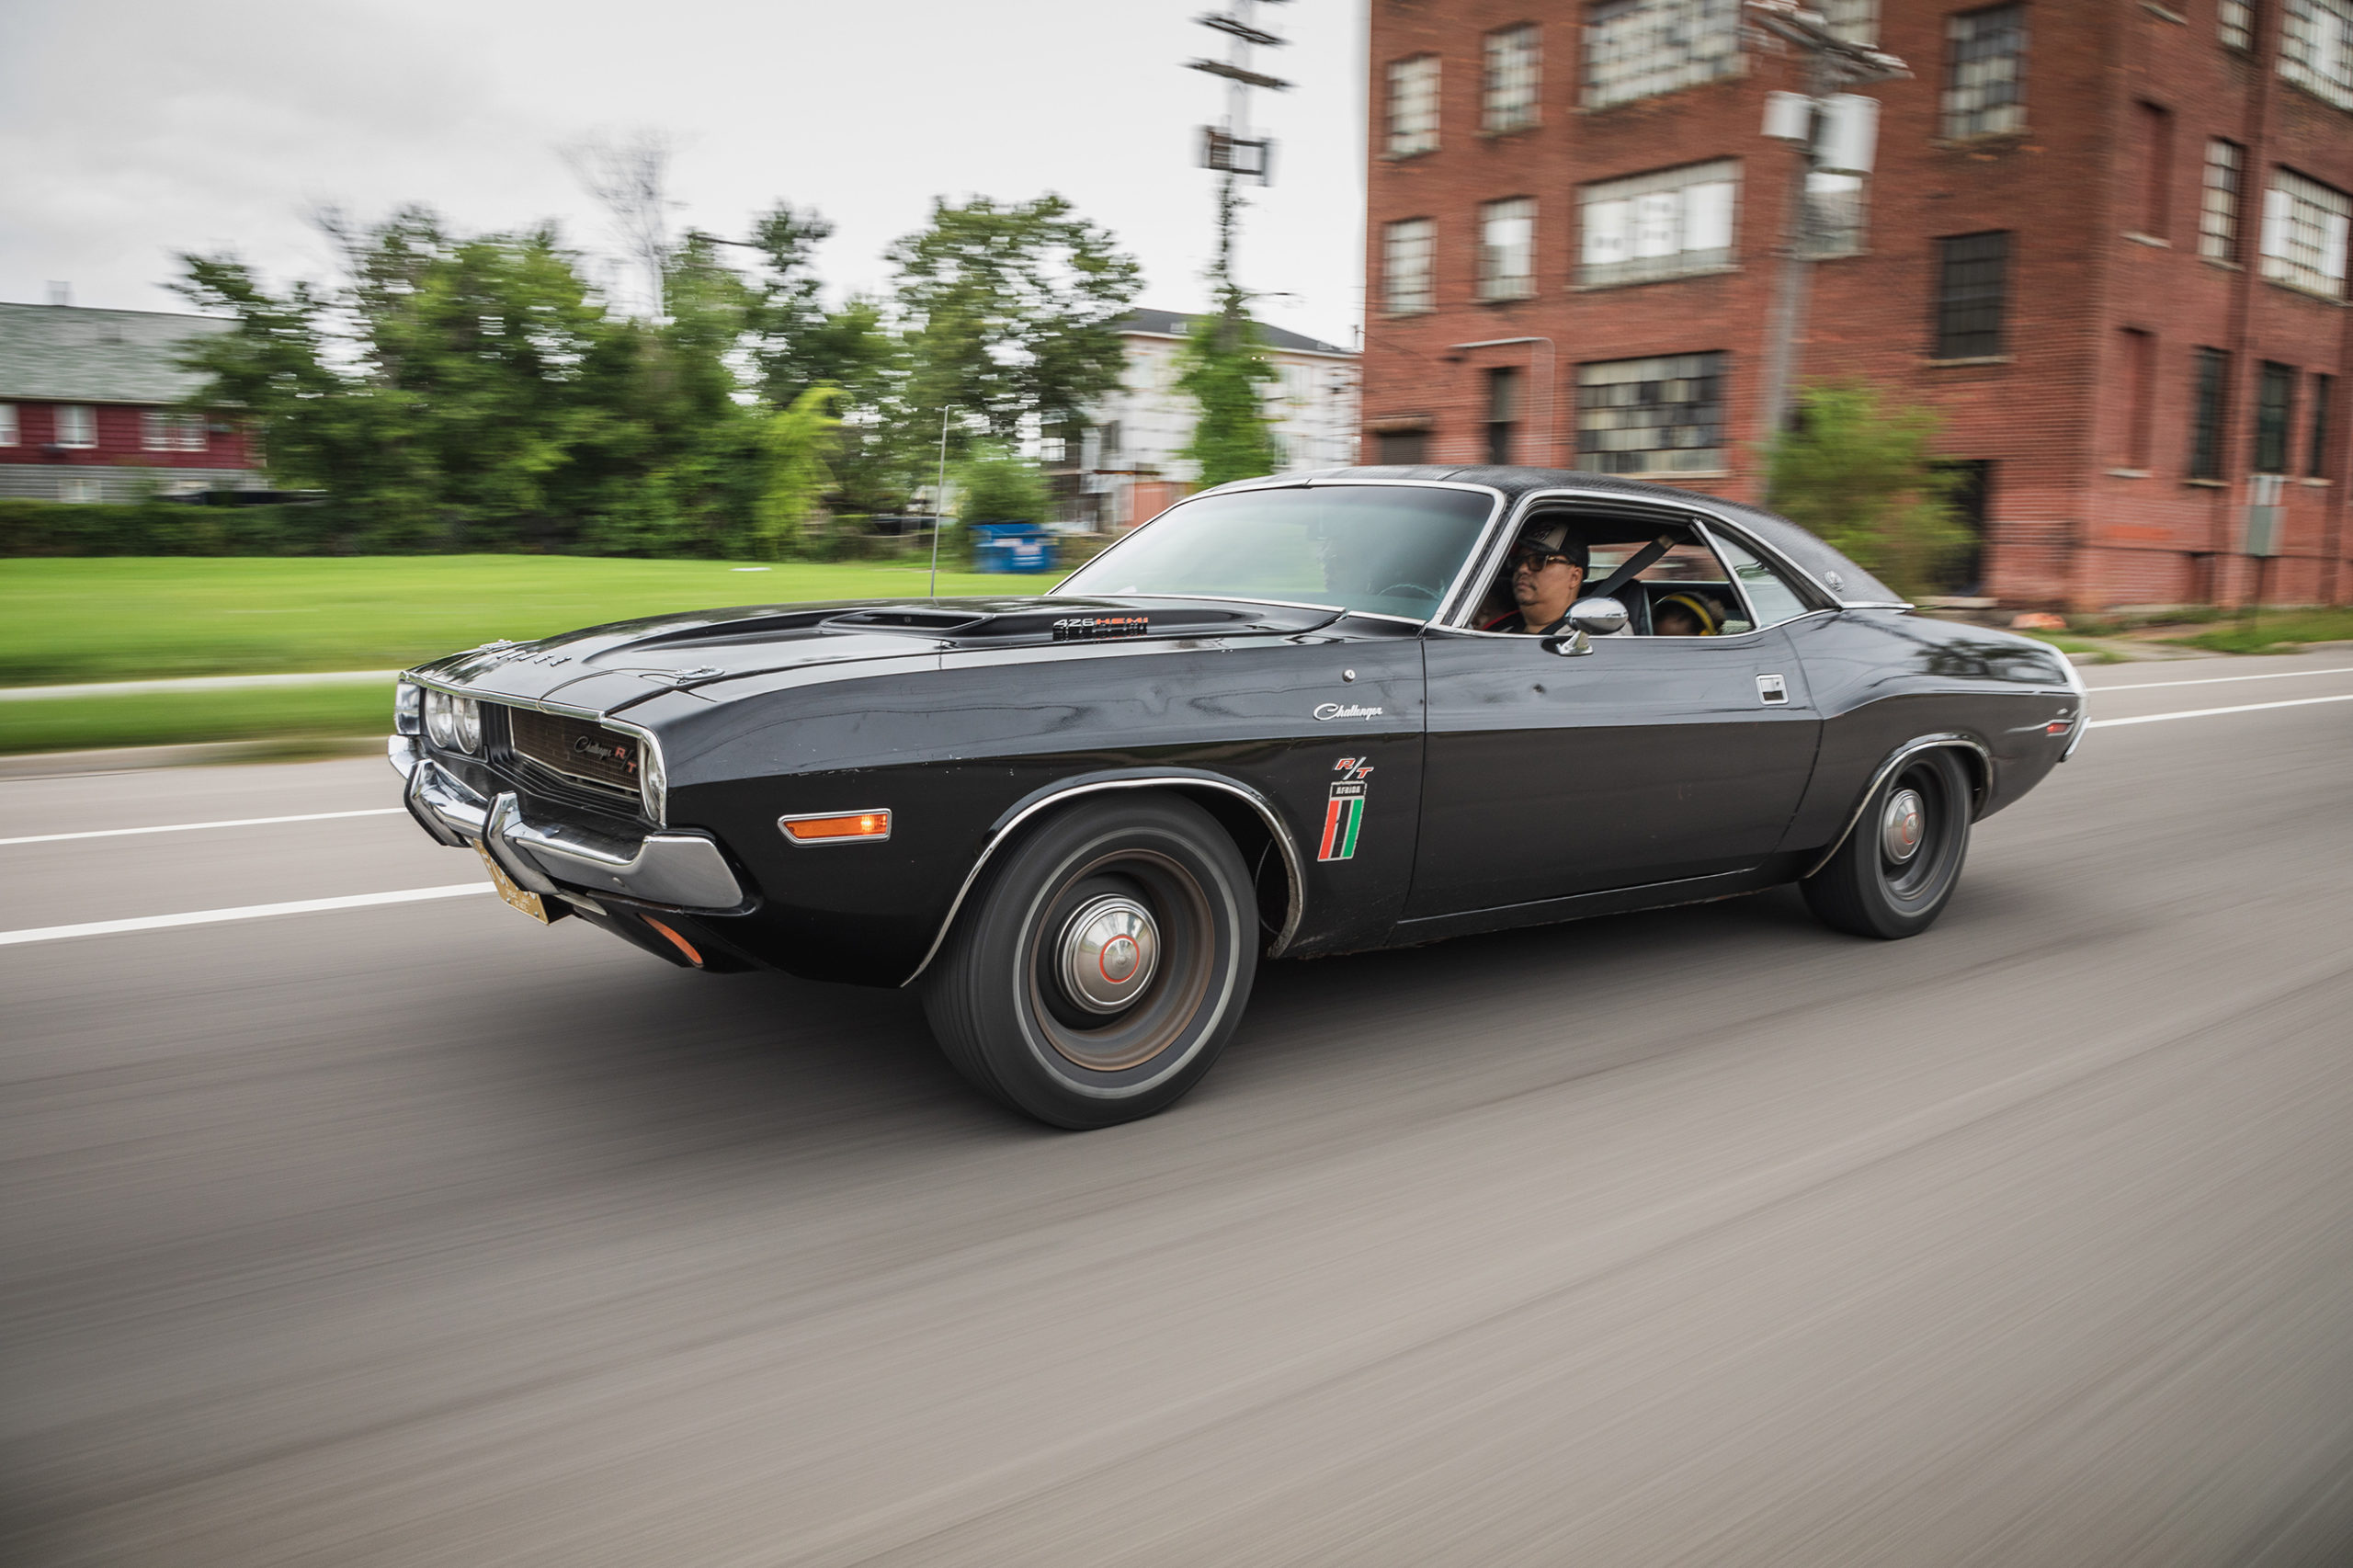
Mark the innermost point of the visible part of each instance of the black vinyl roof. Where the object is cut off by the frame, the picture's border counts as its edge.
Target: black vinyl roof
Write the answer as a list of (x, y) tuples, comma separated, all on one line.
[(1844, 580)]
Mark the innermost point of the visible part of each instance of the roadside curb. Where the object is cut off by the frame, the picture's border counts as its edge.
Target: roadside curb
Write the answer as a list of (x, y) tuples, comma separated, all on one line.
[(210, 754)]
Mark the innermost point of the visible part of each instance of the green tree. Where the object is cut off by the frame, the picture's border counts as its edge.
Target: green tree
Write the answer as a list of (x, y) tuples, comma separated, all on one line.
[(797, 442), (1224, 364), (995, 486), (1860, 471), (1008, 317)]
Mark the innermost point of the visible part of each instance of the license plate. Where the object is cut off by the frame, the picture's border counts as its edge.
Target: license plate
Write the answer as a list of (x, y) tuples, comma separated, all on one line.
[(520, 898)]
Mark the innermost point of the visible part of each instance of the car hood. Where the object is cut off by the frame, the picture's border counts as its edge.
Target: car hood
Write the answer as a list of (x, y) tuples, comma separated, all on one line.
[(606, 668)]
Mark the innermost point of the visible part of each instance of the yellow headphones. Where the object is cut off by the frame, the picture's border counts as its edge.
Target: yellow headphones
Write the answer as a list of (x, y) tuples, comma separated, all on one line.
[(1709, 622)]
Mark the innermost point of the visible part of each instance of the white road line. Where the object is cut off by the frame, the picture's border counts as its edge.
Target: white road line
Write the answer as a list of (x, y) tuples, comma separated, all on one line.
[(2208, 712), (249, 912), (195, 826), (2217, 680)]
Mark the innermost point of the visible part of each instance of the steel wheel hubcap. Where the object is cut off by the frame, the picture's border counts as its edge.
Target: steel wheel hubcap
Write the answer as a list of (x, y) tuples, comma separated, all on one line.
[(1902, 825), (1109, 949)]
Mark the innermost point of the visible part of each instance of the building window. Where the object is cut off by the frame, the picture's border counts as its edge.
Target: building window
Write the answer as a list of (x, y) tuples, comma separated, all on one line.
[(1637, 48), (1971, 285), (2304, 227), (2236, 21), (7, 423), (1662, 415), (1657, 226), (2218, 216), (2141, 376), (82, 489), (1514, 68), (1985, 73), (1836, 213), (1402, 449), (2316, 49), (2316, 438), (1503, 413), (1406, 258), (2206, 414), (76, 424), (1853, 21), (1412, 105), (1508, 249), (2155, 219), (165, 431), (2275, 398)]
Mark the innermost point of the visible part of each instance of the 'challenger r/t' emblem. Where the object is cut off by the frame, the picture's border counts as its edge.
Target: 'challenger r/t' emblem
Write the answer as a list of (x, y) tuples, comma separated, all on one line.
[(1344, 814)]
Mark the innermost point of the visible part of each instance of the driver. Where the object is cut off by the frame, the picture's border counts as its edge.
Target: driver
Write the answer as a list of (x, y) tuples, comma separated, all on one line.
[(1547, 567)]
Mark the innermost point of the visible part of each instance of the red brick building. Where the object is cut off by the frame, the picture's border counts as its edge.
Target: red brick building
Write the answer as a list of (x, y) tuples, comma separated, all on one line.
[(2106, 240), (92, 407)]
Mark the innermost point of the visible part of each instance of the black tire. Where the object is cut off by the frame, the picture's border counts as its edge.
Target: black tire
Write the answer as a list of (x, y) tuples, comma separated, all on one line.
[(1008, 997), (1870, 888)]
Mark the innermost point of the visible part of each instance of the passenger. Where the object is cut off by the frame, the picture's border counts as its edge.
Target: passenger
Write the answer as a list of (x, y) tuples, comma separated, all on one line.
[(1685, 615), (1546, 568)]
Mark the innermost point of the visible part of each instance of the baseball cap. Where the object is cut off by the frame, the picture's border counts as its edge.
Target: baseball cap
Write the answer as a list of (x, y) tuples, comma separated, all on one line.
[(1553, 537)]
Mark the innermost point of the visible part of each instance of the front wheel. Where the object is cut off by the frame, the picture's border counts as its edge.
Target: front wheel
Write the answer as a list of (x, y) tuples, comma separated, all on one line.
[(1898, 868), (1103, 964)]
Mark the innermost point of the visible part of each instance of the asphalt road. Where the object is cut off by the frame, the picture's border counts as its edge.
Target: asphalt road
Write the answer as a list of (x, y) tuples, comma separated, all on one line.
[(415, 1233)]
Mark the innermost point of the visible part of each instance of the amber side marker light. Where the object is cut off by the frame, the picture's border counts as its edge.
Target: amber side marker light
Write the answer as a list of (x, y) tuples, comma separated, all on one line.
[(853, 828)]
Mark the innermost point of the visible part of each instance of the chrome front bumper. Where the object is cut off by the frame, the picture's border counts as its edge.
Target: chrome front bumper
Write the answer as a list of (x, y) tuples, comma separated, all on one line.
[(681, 871)]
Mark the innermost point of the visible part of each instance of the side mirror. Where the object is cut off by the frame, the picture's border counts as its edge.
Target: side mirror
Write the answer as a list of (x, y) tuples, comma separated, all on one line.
[(1597, 617)]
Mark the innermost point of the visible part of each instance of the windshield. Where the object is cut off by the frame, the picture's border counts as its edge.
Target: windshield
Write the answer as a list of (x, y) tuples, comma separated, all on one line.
[(1394, 550)]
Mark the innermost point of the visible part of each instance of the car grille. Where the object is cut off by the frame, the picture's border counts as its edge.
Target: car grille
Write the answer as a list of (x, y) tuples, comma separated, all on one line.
[(580, 754)]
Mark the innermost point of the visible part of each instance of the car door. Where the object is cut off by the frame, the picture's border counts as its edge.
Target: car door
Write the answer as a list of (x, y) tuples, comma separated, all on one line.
[(1648, 760)]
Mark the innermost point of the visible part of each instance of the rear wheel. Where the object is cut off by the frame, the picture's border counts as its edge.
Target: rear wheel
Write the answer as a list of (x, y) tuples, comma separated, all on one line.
[(1102, 965), (1898, 868)]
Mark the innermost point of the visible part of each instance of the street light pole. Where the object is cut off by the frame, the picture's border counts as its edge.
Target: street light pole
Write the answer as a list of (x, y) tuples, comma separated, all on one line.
[(1831, 63)]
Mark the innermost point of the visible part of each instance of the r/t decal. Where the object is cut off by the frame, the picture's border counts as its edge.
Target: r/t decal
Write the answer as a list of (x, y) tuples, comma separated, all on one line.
[(1344, 812)]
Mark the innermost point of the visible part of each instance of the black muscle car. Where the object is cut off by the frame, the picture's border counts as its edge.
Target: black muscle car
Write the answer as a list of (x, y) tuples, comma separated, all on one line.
[(1267, 723)]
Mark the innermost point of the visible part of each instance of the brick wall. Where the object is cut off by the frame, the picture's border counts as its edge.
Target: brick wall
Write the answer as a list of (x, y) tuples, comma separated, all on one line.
[(2054, 412)]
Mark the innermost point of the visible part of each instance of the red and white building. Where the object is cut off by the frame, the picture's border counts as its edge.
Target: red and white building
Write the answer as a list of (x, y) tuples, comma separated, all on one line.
[(95, 406)]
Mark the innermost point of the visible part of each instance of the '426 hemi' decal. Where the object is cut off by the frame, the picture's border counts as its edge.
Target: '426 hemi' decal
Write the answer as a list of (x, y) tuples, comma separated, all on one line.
[(1344, 814)]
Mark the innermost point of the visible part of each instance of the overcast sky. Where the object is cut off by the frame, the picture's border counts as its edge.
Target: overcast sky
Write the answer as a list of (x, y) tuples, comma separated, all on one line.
[(132, 129)]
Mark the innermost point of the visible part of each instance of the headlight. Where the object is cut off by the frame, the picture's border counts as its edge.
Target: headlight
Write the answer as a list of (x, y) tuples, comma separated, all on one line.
[(440, 721), (654, 782), (408, 708), (468, 714)]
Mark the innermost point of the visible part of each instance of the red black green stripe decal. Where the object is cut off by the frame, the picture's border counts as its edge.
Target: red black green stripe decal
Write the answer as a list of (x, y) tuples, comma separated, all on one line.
[(1342, 817)]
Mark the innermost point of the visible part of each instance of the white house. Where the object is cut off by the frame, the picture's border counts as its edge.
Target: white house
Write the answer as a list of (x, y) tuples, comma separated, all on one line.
[(1129, 468)]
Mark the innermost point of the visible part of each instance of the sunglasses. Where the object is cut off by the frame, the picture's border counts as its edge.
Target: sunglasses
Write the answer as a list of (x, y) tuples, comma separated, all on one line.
[(1537, 560)]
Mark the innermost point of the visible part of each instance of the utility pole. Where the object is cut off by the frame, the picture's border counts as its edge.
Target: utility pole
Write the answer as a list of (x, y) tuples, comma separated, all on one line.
[(1229, 148), (1839, 130)]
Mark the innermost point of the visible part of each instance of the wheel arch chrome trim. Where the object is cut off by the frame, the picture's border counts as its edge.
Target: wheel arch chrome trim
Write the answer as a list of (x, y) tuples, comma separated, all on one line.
[(1021, 811), (1951, 740)]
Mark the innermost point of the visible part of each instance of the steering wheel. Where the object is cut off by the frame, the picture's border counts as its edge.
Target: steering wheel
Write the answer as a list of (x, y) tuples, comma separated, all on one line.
[(1409, 591)]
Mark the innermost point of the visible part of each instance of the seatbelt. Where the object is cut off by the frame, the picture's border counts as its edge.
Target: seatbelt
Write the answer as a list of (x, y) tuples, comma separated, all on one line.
[(1634, 566)]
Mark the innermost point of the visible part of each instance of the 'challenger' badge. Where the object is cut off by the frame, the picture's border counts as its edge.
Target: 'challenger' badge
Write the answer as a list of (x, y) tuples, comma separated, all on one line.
[(1344, 814)]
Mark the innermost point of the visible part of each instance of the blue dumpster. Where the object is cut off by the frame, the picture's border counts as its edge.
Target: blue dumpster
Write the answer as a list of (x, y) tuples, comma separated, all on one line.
[(1012, 547)]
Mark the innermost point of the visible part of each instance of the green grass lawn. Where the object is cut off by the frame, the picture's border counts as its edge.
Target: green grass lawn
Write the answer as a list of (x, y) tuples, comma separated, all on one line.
[(69, 621), (296, 713), (2275, 631), (72, 621)]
